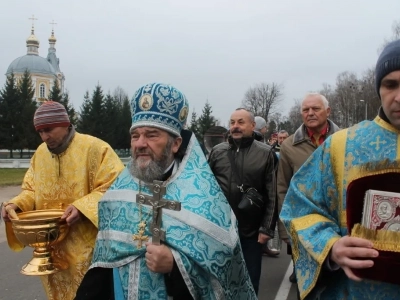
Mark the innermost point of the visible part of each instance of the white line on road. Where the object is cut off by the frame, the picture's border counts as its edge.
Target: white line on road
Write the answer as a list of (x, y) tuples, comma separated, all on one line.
[(285, 286)]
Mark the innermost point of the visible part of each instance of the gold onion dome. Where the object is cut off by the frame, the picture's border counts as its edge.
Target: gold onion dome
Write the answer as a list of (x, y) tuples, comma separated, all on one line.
[(32, 39), (52, 38)]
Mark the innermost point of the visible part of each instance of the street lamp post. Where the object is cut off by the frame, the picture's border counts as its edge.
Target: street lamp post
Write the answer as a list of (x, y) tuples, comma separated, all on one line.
[(366, 107)]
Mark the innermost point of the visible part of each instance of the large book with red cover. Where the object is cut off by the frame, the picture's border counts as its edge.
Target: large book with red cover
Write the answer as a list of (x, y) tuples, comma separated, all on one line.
[(381, 210), (372, 210)]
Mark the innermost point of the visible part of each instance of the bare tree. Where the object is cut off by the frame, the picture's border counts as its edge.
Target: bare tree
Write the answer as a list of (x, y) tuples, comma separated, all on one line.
[(353, 98), (262, 98), (369, 93), (277, 118), (395, 35), (336, 114), (120, 95), (295, 116), (347, 98)]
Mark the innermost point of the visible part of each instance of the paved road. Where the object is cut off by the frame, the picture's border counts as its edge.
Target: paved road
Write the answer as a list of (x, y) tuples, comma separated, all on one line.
[(274, 284)]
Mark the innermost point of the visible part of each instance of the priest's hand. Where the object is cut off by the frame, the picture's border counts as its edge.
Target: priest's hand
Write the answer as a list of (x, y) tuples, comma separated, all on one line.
[(71, 215), (353, 253), (263, 238), (159, 258), (4, 213)]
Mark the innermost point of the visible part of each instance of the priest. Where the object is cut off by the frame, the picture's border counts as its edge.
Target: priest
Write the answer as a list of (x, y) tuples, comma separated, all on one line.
[(165, 227)]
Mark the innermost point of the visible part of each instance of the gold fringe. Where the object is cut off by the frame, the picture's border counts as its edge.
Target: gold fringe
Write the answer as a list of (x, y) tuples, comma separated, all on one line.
[(383, 240), (338, 145)]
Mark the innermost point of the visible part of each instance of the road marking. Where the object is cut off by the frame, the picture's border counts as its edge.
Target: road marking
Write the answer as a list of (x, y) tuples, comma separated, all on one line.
[(285, 286), (2, 231)]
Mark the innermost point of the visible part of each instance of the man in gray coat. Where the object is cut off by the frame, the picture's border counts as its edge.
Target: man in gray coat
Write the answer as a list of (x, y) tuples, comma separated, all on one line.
[(296, 149)]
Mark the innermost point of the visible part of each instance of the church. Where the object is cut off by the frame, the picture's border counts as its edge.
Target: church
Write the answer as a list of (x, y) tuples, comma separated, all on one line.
[(43, 70)]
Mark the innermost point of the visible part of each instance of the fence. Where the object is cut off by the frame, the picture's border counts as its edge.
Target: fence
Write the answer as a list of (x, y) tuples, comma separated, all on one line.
[(23, 163)]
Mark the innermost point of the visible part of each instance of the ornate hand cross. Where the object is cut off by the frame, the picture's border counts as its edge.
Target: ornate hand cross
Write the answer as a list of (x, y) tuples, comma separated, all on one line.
[(157, 203)]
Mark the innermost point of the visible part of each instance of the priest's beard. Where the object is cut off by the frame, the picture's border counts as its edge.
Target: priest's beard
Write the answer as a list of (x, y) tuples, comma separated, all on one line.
[(154, 168)]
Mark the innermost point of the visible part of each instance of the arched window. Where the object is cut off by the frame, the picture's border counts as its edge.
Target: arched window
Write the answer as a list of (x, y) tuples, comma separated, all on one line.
[(42, 91)]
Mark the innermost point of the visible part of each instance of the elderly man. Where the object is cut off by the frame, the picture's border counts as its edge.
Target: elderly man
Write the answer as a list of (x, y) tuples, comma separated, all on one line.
[(279, 138), (282, 135), (260, 128), (70, 171), (295, 150), (165, 226), (335, 256), (240, 164)]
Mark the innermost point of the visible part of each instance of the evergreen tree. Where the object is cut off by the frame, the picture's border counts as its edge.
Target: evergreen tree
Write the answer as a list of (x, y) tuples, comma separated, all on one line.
[(205, 121), (92, 114), (84, 123), (272, 128), (124, 123), (193, 124), (25, 131), (69, 108), (110, 120), (55, 93), (9, 110)]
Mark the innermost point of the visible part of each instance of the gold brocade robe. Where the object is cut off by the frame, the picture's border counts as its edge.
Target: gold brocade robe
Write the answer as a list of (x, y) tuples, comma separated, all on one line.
[(78, 176)]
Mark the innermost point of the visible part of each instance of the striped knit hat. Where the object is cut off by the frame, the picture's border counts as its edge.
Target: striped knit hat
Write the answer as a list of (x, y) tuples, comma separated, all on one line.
[(51, 114)]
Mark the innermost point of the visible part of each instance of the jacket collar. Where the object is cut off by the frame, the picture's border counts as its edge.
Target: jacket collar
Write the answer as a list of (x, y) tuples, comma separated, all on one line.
[(242, 143), (301, 135), (258, 136)]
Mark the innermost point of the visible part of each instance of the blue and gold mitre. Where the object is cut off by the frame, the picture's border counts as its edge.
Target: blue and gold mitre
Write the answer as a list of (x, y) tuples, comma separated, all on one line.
[(161, 106)]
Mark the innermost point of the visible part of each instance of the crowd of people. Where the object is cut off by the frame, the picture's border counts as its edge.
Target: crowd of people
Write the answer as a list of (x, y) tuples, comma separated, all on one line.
[(173, 224)]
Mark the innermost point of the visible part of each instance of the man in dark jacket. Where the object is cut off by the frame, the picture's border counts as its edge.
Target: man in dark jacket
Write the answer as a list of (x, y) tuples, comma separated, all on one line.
[(252, 166)]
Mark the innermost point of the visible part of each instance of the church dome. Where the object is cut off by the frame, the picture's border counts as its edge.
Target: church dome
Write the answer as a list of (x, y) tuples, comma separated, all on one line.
[(52, 38), (32, 39), (34, 64)]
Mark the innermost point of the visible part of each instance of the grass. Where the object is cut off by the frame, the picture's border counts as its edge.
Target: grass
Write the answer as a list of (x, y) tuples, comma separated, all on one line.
[(11, 176)]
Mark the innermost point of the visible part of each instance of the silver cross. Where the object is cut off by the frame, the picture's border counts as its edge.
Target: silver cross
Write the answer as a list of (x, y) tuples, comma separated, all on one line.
[(157, 203)]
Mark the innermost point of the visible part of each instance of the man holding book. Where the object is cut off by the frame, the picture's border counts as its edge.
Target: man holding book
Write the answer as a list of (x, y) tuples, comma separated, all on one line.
[(337, 253)]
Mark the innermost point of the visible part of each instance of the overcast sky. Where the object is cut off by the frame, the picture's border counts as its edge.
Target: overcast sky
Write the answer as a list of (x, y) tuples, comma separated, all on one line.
[(209, 49)]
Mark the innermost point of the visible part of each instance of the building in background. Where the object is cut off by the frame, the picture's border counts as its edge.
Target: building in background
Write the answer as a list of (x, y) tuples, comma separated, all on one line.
[(43, 70)]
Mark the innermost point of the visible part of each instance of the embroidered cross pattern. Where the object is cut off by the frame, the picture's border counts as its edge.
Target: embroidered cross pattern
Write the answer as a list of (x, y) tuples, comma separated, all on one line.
[(378, 143), (157, 203)]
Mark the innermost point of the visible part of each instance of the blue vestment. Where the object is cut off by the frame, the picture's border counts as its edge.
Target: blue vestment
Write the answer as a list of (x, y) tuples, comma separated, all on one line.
[(314, 210), (202, 236)]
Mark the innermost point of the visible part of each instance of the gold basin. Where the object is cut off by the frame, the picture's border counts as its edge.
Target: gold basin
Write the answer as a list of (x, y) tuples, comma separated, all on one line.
[(41, 230)]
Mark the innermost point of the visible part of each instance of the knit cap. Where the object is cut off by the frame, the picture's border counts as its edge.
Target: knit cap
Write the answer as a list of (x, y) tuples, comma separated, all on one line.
[(388, 61), (51, 114), (260, 123)]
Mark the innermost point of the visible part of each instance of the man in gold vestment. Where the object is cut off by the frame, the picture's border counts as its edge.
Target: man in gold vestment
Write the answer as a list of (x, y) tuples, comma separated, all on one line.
[(70, 171)]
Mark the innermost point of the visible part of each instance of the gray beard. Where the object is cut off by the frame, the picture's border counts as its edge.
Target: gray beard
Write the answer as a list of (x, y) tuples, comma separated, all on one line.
[(155, 168)]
